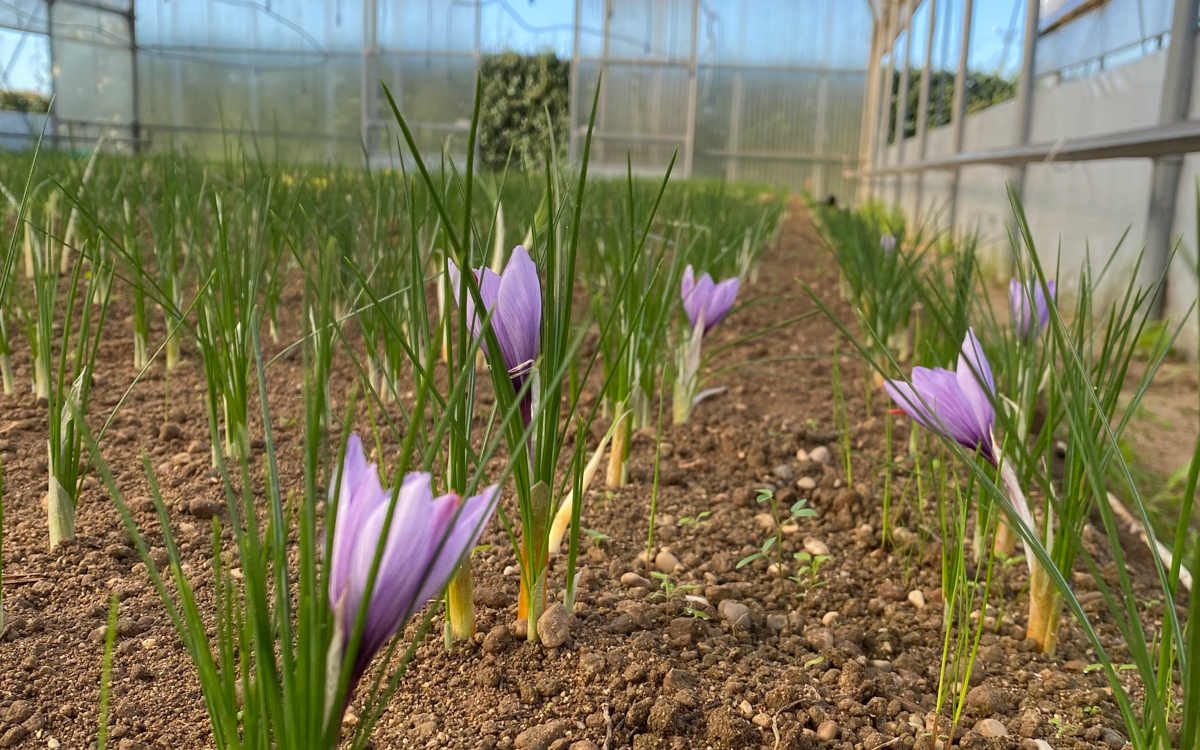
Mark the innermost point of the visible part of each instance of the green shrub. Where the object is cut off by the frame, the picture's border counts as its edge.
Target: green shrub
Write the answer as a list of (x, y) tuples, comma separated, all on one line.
[(518, 92), (23, 101)]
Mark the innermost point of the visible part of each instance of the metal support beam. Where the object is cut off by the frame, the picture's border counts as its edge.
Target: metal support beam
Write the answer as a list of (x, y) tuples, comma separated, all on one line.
[(902, 96), (690, 139), (368, 73), (871, 104), (958, 115), (1153, 142), (135, 125), (885, 95), (1025, 103), (1164, 183), (923, 105), (573, 94), (735, 128)]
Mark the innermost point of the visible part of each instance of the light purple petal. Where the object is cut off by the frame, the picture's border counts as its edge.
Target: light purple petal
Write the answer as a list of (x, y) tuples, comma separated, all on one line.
[(908, 400), (1018, 305), (360, 494), (974, 376), (688, 283), (463, 537), (518, 318), (720, 302), (696, 300), (405, 558), (1042, 305)]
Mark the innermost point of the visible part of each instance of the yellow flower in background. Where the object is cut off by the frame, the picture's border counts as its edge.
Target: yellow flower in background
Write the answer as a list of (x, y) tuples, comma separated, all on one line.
[(287, 179), (320, 183)]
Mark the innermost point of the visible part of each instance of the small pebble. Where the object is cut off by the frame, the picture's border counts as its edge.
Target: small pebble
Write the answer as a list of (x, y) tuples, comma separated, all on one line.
[(761, 720), (632, 580), (736, 613), (827, 731), (815, 547), (511, 570), (554, 626), (991, 728), (820, 454), (916, 598), (830, 618), (666, 562), (801, 455), (806, 484), (746, 708)]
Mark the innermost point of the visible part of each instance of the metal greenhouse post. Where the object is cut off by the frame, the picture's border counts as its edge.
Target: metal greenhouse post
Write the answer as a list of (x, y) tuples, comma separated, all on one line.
[(902, 97), (690, 138), (1025, 101), (923, 104), (1164, 183), (958, 114), (885, 94)]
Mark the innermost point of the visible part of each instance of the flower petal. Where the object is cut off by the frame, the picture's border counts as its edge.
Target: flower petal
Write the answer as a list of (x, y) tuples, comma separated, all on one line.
[(696, 300), (687, 283), (518, 318), (974, 376), (360, 494), (459, 540), (720, 302), (405, 562)]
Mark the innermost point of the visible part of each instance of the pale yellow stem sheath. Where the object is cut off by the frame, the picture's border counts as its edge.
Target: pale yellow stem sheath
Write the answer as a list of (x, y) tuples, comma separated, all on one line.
[(616, 476), (562, 519), (460, 603)]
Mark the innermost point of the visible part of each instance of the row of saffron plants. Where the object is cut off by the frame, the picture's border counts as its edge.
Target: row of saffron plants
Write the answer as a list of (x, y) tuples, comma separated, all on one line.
[(197, 246), (1074, 369), (283, 663)]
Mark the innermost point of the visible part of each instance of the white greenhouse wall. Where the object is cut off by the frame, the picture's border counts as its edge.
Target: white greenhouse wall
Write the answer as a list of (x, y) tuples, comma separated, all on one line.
[(1073, 208)]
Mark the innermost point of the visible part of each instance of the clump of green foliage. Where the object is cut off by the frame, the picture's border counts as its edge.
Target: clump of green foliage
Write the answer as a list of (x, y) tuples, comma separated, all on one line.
[(23, 101), (525, 107)]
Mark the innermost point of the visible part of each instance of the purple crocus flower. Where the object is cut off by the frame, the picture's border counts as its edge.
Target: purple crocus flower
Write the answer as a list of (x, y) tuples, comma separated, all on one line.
[(516, 296), (1019, 295), (705, 302), (888, 243), (956, 404), (427, 539)]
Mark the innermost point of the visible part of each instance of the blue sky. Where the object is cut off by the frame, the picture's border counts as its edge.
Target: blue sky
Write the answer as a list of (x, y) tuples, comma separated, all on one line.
[(539, 24)]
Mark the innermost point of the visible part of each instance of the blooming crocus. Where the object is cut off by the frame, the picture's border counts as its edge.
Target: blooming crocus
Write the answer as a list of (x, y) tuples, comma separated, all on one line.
[(888, 242), (705, 302), (427, 539), (516, 297), (1026, 321), (958, 405)]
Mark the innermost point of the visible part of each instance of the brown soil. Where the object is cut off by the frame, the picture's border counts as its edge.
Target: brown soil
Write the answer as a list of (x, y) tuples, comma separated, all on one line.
[(849, 662)]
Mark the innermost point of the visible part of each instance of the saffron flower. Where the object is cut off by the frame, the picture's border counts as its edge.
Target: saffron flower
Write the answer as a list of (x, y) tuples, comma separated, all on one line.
[(888, 243), (427, 539), (707, 303), (1028, 319), (516, 297), (956, 404)]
